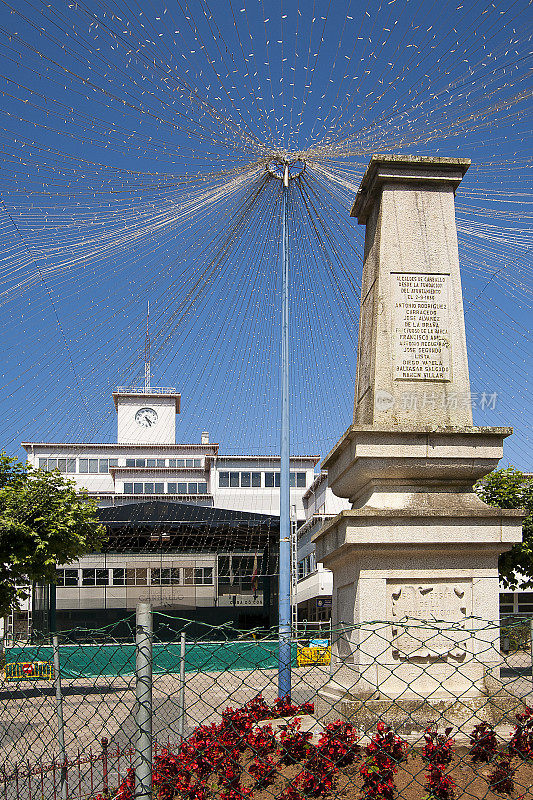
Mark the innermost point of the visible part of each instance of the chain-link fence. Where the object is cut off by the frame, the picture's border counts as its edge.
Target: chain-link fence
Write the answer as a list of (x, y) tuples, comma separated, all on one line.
[(404, 709)]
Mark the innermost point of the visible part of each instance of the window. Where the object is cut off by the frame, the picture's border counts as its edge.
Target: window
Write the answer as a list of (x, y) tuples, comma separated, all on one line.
[(182, 488), (113, 462), (83, 465), (171, 462), (234, 479), (271, 479), (193, 488), (256, 479), (202, 488), (93, 465), (160, 462), (525, 602), (223, 479), (199, 576), (203, 575), (128, 488), (103, 465), (180, 462), (159, 488), (197, 462), (189, 462), (172, 488), (148, 488), (150, 462), (136, 576), (130, 462), (298, 479), (165, 576), (138, 488), (43, 463), (140, 462), (67, 577), (95, 577), (119, 576), (246, 479)]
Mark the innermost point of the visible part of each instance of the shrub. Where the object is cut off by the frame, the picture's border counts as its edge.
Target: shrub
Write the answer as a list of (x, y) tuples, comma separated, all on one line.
[(262, 740), (483, 743), (263, 770), (438, 750), (382, 757), (318, 774), (501, 779), (294, 742), (339, 743), (521, 743), (438, 785)]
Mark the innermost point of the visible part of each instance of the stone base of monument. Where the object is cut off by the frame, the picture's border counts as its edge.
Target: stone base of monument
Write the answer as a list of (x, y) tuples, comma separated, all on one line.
[(409, 715)]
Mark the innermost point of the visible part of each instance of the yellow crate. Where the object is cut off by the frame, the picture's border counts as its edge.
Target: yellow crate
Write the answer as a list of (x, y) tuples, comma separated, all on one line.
[(29, 671), (307, 656)]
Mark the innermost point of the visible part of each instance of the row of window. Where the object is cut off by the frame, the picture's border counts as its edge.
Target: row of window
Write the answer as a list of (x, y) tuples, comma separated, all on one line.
[(253, 479), (101, 465), (183, 463), (192, 487), (136, 576)]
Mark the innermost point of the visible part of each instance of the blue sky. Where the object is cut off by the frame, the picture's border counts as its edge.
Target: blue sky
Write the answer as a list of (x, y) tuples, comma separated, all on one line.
[(134, 141)]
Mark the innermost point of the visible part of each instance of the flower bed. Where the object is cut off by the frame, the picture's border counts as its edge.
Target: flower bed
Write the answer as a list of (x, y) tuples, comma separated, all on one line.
[(240, 759)]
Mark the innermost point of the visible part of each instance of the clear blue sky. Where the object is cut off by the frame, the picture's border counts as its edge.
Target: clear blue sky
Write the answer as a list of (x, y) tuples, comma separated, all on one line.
[(129, 136)]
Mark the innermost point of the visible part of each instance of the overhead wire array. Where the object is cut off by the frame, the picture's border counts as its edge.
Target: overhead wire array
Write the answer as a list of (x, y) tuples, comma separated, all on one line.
[(136, 139)]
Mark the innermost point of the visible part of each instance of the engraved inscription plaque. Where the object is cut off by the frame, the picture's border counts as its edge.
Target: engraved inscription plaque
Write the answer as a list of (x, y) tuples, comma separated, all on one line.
[(429, 618), (420, 326)]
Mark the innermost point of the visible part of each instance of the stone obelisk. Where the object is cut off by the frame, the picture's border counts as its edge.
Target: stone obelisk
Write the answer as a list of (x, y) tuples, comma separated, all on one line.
[(418, 546)]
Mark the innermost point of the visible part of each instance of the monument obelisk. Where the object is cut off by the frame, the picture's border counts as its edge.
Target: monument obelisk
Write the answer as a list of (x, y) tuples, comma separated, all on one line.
[(418, 546)]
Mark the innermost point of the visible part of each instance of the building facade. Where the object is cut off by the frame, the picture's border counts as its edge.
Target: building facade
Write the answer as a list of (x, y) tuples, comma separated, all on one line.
[(191, 530)]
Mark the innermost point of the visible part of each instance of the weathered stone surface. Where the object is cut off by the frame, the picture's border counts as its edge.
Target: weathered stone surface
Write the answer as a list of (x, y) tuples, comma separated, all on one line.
[(418, 551)]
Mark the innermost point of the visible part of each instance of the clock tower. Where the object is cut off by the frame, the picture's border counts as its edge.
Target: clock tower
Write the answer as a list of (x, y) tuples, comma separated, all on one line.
[(146, 415)]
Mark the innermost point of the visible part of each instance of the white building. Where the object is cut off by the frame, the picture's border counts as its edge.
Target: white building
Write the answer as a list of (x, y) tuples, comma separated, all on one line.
[(163, 500), (146, 463), (315, 582)]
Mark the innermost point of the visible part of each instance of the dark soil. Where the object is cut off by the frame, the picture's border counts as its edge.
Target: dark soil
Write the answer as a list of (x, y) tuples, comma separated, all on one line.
[(471, 780)]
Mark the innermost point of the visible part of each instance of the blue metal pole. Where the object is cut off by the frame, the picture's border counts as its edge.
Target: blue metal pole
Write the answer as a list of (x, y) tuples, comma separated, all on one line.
[(284, 667)]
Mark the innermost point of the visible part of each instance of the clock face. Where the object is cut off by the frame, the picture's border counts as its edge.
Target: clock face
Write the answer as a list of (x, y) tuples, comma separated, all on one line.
[(146, 417)]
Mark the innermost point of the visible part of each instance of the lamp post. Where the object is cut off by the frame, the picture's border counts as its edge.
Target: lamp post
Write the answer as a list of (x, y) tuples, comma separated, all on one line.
[(285, 168)]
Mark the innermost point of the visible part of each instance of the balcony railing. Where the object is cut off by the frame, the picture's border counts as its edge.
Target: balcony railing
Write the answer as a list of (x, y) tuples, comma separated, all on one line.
[(144, 390)]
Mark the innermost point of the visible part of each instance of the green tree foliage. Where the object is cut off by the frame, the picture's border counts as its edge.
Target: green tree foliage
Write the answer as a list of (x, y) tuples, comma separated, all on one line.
[(44, 521), (509, 488)]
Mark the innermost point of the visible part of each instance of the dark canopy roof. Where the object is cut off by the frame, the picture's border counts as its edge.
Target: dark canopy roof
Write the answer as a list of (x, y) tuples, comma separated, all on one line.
[(188, 513), (186, 526)]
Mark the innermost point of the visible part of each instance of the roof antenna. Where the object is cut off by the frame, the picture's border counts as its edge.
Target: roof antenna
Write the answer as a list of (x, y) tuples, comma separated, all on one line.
[(147, 376)]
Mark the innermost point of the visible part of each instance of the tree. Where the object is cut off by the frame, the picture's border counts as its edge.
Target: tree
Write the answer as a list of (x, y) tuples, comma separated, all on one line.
[(510, 488), (44, 521)]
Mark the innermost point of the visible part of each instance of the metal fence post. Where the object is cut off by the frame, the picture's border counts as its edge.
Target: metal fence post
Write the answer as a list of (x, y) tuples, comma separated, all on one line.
[(105, 770), (143, 691), (181, 690), (60, 723)]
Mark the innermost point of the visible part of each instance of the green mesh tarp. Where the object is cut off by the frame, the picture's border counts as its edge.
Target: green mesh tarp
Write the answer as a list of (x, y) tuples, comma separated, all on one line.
[(79, 661)]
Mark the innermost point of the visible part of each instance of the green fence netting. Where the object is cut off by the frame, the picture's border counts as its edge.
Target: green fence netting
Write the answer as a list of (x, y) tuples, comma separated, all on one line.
[(79, 660)]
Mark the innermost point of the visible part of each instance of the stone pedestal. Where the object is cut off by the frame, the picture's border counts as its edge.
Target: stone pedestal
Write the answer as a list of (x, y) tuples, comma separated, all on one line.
[(415, 561)]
